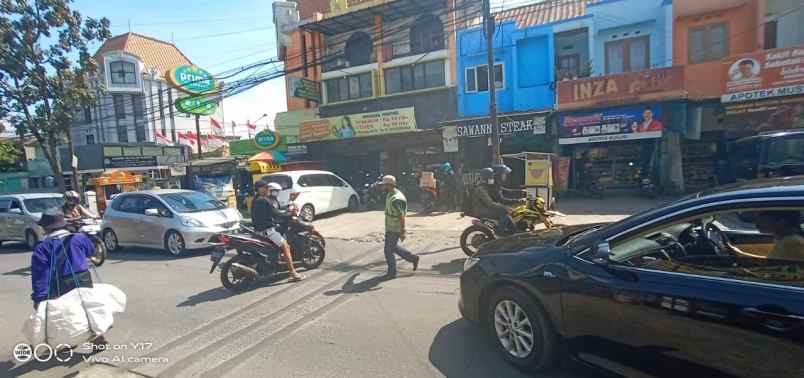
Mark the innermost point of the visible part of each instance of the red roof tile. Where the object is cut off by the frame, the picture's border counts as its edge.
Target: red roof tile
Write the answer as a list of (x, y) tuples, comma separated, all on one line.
[(152, 51), (544, 12)]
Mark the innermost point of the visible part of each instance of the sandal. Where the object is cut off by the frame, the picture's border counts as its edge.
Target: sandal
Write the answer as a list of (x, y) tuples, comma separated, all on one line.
[(296, 278)]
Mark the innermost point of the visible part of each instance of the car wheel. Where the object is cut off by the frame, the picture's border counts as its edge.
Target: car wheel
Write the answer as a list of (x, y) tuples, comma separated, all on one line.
[(353, 204), (31, 239), (307, 213), (521, 330), (174, 243), (110, 240)]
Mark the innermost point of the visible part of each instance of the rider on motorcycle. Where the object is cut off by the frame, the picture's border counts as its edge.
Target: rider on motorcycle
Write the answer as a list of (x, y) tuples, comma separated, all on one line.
[(486, 202), (72, 207), (501, 172), (264, 211)]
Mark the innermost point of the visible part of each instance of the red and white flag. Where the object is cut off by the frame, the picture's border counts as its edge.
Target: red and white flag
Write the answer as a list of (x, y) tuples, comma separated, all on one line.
[(162, 139), (251, 126), (187, 139), (215, 141), (217, 128)]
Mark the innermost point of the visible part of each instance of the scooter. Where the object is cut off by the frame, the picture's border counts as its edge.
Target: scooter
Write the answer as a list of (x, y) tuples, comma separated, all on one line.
[(91, 227), (524, 216), (258, 258)]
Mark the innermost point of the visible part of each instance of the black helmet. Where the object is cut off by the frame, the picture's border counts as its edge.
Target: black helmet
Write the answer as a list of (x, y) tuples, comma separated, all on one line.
[(260, 184), (486, 173), (500, 169)]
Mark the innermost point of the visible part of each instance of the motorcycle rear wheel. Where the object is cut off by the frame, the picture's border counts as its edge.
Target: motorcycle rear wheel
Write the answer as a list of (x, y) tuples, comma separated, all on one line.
[(100, 253), (233, 280), (474, 237)]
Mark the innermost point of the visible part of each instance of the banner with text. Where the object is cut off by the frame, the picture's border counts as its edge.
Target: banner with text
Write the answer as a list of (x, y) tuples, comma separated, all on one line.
[(358, 125), (514, 123), (625, 123), (762, 75)]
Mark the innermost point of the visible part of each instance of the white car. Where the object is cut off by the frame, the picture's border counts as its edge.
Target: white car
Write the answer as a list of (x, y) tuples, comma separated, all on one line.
[(315, 192), (19, 214), (170, 219)]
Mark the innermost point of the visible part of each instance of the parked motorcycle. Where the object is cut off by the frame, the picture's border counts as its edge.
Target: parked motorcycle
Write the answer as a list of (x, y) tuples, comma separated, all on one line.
[(258, 258), (525, 217), (91, 227), (374, 196), (645, 184)]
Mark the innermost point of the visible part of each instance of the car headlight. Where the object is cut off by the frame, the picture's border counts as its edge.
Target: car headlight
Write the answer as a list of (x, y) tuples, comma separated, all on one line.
[(469, 263), (191, 222)]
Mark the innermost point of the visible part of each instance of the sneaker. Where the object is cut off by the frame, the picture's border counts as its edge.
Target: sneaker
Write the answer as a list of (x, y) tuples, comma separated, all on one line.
[(389, 276), (416, 263)]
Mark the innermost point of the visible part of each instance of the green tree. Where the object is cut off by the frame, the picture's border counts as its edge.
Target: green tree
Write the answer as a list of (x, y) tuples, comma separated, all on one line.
[(46, 70), (10, 157)]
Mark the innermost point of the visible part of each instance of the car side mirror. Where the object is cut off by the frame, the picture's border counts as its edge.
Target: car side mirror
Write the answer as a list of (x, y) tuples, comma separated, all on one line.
[(17, 211), (602, 254), (152, 212)]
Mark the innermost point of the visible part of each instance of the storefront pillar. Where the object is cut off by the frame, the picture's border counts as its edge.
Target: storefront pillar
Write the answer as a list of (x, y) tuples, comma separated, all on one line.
[(671, 174)]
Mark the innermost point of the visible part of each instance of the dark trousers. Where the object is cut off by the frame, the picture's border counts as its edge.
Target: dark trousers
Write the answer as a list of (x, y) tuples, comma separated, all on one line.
[(392, 248)]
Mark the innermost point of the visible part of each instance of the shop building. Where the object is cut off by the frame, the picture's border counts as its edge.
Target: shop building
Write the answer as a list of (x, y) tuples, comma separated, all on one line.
[(386, 82), (625, 119), (158, 165)]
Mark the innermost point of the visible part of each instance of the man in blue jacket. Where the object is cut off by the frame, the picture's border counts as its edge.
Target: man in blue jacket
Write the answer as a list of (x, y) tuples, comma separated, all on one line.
[(54, 271)]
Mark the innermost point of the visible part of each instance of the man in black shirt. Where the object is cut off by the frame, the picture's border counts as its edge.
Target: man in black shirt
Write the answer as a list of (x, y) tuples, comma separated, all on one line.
[(262, 216)]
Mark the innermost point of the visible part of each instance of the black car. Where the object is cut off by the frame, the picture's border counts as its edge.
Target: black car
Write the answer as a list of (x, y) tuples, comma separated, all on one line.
[(684, 290), (774, 154)]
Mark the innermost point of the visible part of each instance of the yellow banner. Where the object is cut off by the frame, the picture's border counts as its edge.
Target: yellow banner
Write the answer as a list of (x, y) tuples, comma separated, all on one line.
[(537, 173), (358, 125)]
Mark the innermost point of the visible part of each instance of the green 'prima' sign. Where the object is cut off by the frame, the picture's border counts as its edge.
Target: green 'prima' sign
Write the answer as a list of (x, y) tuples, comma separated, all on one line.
[(191, 79), (267, 140), (196, 105)]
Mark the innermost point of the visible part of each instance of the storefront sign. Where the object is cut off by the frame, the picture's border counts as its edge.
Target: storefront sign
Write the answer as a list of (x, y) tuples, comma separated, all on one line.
[(191, 79), (358, 125), (648, 85), (449, 136), (767, 74), (750, 118), (521, 123), (267, 140), (129, 161), (537, 173), (625, 123), (297, 149), (305, 88), (198, 105)]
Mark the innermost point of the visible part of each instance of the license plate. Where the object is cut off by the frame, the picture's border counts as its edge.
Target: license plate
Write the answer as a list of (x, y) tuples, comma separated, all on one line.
[(217, 255)]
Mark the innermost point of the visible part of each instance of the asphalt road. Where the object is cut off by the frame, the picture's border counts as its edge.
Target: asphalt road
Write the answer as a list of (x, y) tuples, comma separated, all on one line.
[(342, 321)]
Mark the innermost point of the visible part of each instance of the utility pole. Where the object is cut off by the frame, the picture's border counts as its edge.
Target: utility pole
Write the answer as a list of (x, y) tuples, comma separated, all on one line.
[(198, 133), (488, 19)]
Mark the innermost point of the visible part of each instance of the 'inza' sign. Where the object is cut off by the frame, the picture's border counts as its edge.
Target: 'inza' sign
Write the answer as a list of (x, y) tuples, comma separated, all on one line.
[(191, 79), (642, 85)]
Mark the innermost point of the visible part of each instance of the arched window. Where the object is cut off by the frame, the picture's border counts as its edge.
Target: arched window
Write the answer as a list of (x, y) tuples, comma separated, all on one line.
[(358, 49), (426, 34)]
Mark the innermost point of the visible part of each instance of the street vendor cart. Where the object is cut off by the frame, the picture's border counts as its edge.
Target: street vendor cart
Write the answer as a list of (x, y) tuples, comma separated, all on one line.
[(114, 182), (216, 177), (534, 171)]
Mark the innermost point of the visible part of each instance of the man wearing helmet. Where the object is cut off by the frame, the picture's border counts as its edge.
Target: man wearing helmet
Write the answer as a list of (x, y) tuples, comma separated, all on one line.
[(72, 206), (264, 210), (487, 201)]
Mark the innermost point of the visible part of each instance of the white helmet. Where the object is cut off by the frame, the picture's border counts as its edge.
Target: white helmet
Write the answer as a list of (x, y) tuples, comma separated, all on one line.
[(72, 197), (274, 186)]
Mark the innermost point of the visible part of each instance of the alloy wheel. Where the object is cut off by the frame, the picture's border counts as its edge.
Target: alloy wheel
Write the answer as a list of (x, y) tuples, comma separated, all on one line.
[(110, 240), (30, 239), (175, 244), (514, 329)]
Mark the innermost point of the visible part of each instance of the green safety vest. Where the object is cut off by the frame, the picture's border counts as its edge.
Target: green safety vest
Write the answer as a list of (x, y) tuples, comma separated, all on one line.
[(396, 206)]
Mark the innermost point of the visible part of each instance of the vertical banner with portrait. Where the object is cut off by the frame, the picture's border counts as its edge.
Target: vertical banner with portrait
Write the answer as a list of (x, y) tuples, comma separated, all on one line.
[(763, 75), (623, 123)]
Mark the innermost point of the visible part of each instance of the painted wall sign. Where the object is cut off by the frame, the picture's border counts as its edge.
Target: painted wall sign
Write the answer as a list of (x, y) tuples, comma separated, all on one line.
[(358, 125), (129, 161), (191, 79), (305, 88), (648, 85), (624, 123), (196, 105), (762, 75), (517, 123), (267, 140)]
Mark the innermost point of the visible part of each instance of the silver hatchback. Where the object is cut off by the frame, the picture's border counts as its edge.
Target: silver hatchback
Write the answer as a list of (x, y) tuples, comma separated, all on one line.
[(173, 220)]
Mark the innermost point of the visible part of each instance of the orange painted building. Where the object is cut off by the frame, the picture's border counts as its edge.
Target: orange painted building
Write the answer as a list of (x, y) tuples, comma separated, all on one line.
[(707, 31)]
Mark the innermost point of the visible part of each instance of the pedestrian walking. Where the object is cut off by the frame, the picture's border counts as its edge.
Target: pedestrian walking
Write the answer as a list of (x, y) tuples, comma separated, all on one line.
[(396, 207)]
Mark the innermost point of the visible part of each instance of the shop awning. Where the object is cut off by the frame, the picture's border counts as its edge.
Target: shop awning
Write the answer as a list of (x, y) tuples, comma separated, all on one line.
[(269, 157), (359, 16)]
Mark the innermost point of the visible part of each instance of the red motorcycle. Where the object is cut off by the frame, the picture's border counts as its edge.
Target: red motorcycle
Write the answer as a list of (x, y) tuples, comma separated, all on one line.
[(259, 258)]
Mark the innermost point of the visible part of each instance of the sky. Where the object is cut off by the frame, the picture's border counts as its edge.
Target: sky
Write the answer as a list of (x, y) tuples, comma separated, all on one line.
[(217, 36)]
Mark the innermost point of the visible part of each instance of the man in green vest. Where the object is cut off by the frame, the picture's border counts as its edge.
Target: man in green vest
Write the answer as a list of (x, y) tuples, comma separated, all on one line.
[(396, 207)]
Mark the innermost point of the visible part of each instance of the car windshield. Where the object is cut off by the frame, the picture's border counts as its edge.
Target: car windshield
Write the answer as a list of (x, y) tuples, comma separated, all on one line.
[(39, 205), (786, 151), (191, 202), (283, 180)]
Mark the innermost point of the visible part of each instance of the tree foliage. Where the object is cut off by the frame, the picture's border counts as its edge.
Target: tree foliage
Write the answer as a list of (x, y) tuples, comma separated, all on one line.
[(10, 157), (46, 69)]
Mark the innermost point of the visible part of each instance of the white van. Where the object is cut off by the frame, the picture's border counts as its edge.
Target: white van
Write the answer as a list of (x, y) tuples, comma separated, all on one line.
[(315, 192)]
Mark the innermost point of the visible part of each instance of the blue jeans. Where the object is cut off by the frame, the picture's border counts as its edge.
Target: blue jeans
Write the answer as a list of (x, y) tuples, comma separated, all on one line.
[(506, 225), (393, 248)]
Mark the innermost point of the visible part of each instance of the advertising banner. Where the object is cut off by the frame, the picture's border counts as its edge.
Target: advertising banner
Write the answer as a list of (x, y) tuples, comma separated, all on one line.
[(642, 86), (762, 75), (518, 123), (624, 123), (537, 173), (449, 136), (358, 125), (129, 161), (776, 114)]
